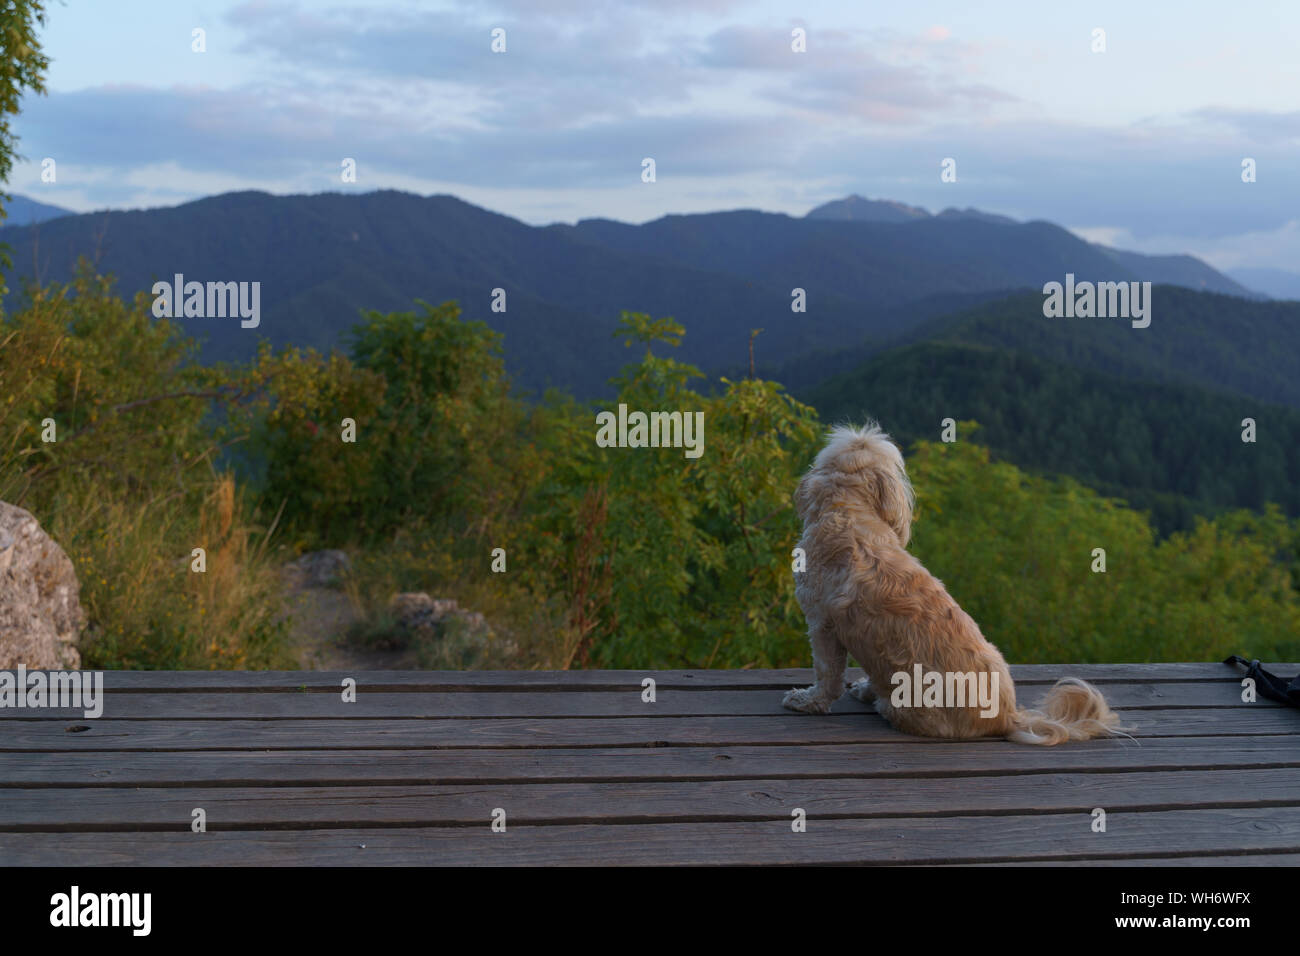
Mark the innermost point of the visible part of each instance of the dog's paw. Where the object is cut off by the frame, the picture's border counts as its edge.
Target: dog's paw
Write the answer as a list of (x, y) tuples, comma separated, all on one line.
[(803, 700), (861, 690)]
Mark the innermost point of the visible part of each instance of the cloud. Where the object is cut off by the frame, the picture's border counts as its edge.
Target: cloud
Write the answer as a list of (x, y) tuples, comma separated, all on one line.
[(410, 92), (606, 65), (556, 127), (279, 136), (842, 75), (1257, 126)]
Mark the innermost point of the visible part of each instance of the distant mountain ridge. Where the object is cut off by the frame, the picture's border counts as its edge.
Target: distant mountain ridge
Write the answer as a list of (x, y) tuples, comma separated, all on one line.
[(1181, 270), (22, 211), (322, 259), (1275, 283), (857, 209)]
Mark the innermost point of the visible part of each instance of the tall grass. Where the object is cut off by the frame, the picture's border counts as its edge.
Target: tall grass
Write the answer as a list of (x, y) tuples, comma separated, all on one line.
[(148, 607)]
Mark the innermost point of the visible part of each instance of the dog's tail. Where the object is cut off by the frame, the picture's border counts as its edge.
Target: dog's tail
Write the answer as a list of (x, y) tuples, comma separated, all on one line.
[(1073, 710)]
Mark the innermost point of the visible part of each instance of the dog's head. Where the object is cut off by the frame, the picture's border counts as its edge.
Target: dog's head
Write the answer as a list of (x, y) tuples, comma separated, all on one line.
[(859, 464)]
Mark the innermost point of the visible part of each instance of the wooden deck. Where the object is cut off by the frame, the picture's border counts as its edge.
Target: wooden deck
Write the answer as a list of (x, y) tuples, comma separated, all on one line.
[(587, 773)]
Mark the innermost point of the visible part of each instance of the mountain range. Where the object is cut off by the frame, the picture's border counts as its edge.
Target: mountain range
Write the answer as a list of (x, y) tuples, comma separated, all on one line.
[(21, 211), (869, 270), (1276, 283), (910, 318)]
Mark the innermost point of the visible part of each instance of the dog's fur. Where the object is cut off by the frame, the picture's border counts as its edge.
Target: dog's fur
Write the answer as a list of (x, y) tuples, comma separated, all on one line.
[(864, 594)]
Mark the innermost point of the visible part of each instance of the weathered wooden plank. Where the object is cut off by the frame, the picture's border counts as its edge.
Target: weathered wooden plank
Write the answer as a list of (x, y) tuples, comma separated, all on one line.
[(325, 705), (900, 758), (931, 840), (712, 800), (39, 735), (783, 728), (628, 703), (567, 681)]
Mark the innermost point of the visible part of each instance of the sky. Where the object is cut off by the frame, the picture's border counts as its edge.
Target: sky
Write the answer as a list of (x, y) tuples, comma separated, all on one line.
[(1139, 146)]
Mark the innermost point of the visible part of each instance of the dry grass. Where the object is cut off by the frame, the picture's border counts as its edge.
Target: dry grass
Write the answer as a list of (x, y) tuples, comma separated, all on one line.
[(148, 605)]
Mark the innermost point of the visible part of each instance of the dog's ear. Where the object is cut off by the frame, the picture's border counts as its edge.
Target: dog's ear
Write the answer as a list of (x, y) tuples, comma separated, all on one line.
[(896, 499), (806, 495)]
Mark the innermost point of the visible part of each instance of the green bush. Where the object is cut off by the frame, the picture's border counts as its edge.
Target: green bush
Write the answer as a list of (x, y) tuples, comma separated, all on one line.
[(129, 487), (614, 557)]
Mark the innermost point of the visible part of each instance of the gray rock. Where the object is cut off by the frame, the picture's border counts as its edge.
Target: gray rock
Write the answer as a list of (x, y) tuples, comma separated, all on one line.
[(418, 614), (40, 605), (316, 569), (421, 615)]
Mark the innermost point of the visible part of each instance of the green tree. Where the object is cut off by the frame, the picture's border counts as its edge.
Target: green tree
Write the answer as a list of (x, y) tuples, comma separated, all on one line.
[(1017, 551), (106, 437), (687, 558), (22, 68)]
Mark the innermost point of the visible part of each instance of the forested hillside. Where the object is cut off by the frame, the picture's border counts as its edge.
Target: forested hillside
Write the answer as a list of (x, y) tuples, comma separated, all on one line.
[(1195, 338), (1173, 450), (617, 557)]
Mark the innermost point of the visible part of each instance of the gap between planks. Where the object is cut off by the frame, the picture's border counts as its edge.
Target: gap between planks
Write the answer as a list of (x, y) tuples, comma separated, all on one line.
[(947, 759), (576, 732), (202, 705), (571, 681)]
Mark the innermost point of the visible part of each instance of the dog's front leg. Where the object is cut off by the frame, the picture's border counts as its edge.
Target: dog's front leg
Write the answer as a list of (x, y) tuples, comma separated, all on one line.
[(829, 660)]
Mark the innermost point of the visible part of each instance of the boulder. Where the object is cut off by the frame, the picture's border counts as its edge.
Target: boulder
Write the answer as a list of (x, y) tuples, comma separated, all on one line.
[(316, 569), (420, 615), (40, 607)]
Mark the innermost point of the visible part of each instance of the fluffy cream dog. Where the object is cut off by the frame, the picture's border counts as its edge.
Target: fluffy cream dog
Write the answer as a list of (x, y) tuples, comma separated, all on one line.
[(864, 594)]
